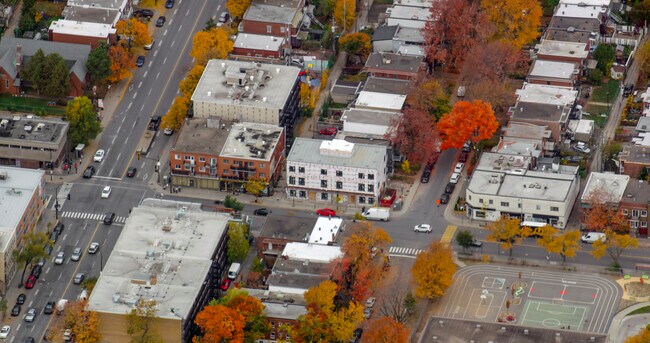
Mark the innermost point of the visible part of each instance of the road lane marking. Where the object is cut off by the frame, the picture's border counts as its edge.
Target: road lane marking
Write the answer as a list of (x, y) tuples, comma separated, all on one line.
[(448, 235), (134, 95), (142, 166), (176, 10), (187, 13), (131, 103), (150, 63), (113, 140), (118, 156), (172, 45), (142, 108), (47, 270), (157, 75), (144, 178), (165, 33), (154, 55), (140, 84), (30, 303), (36, 293), (143, 105), (145, 73), (180, 27), (218, 7), (165, 60)]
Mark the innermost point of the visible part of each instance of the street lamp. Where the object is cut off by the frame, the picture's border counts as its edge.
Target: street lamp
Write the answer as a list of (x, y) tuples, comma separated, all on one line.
[(56, 202)]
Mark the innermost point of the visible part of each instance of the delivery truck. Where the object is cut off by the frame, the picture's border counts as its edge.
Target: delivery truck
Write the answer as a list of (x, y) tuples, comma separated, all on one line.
[(377, 213)]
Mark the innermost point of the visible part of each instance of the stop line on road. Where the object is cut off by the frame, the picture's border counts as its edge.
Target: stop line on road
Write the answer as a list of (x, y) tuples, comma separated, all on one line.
[(91, 216)]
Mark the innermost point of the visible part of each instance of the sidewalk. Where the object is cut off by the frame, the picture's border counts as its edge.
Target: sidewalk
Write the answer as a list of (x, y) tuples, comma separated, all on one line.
[(623, 326)]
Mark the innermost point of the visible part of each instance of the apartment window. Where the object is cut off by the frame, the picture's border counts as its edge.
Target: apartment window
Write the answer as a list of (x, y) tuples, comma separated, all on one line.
[(226, 161), (213, 161), (644, 213), (177, 157), (292, 192), (362, 187), (555, 209), (178, 166), (201, 159), (634, 224), (371, 200), (339, 185), (269, 28), (362, 200), (292, 169), (202, 169), (625, 212), (263, 175), (371, 176), (303, 194), (323, 183), (643, 224), (262, 165), (225, 171), (371, 188), (339, 173), (273, 326), (490, 202), (635, 213), (187, 157), (292, 180), (323, 171), (539, 207), (283, 29), (272, 334), (480, 200), (469, 197), (301, 170), (324, 196), (361, 176), (301, 181), (505, 204)]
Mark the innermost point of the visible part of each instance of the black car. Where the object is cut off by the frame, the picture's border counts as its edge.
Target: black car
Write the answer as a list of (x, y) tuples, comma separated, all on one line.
[(58, 228), (450, 188), (139, 62), (29, 340), (444, 198), (15, 311), (425, 176), (48, 249), (161, 21), (54, 236), (131, 171), (143, 13), (262, 212), (463, 157), (109, 217), (169, 4), (89, 172), (21, 299), (36, 271), (49, 307), (357, 335)]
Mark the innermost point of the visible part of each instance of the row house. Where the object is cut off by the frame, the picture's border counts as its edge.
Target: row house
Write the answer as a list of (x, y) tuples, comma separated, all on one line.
[(395, 66), (552, 73), (558, 51), (635, 160), (275, 18), (280, 311), (260, 47), (635, 205), (604, 189)]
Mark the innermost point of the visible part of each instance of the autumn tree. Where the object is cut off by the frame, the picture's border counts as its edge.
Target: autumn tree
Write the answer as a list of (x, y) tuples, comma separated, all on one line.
[(32, 249), (414, 134), (642, 337), (398, 304), (566, 244), (212, 44), (604, 55), (433, 271), (459, 25), (134, 32), (324, 322), (385, 330), (472, 121), (508, 231), (614, 245), (81, 116), (516, 22), (499, 94), (427, 95), (175, 117), (219, 323), (357, 43), (494, 61), (344, 14), (602, 213), (305, 96), (237, 8), (99, 64), (640, 12), (238, 245), (121, 63), (84, 324), (188, 84), (255, 186), (140, 322)]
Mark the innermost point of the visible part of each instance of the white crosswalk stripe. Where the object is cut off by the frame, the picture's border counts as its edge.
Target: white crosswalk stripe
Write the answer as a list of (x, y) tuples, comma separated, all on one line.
[(403, 251), (90, 216)]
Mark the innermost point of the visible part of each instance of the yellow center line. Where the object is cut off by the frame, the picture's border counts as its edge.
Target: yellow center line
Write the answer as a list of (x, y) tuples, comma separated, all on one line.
[(448, 235)]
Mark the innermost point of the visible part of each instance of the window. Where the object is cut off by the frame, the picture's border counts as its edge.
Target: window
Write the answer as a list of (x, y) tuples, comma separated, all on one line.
[(324, 196), (362, 200), (323, 183), (480, 200), (201, 159), (301, 181), (177, 157), (555, 209), (539, 207), (469, 197), (202, 169), (292, 169), (187, 157), (303, 194), (371, 200), (505, 204), (361, 176), (292, 180), (339, 173), (625, 212), (490, 202), (272, 334), (213, 161), (225, 171), (178, 166), (262, 165), (301, 170), (339, 185), (371, 176), (644, 213), (283, 29), (292, 192), (262, 175), (273, 326), (323, 171), (226, 161), (635, 213), (269, 28), (643, 224), (371, 188), (362, 187), (634, 224)]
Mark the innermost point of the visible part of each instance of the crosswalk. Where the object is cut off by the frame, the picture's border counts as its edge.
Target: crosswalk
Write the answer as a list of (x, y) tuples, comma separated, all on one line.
[(401, 251), (90, 216)]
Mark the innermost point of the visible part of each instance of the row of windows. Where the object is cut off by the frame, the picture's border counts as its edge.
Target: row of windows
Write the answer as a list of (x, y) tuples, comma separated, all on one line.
[(507, 204), (339, 173), (204, 169), (326, 196), (635, 213), (638, 224), (339, 184), (214, 161)]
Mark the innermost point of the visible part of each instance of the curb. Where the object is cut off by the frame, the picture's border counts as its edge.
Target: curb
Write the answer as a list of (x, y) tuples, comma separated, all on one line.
[(618, 319)]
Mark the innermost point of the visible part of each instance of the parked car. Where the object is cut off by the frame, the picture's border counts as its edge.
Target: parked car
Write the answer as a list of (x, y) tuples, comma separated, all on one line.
[(150, 45), (262, 212), (168, 131), (444, 198), (49, 307), (425, 176), (21, 299), (139, 62), (60, 257), (4, 332), (31, 281), (67, 335), (36, 271), (450, 188), (225, 284), (463, 157), (169, 4), (93, 248), (143, 13), (581, 147), (15, 311), (99, 156), (89, 172), (467, 146), (327, 212), (79, 278), (76, 254), (224, 16), (371, 302), (422, 228), (30, 315), (328, 131), (131, 171), (58, 228), (459, 168), (106, 192), (54, 236), (454, 178), (161, 21), (367, 312), (356, 337)]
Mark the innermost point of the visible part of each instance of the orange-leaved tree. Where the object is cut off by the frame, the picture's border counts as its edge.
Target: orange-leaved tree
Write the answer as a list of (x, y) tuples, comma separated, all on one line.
[(237, 8), (385, 330), (188, 84), (121, 63), (474, 121), (83, 324), (433, 271), (642, 337), (344, 13), (415, 133), (133, 32), (516, 22), (219, 323), (176, 115), (508, 231), (602, 213), (565, 244), (251, 308), (357, 43), (212, 44)]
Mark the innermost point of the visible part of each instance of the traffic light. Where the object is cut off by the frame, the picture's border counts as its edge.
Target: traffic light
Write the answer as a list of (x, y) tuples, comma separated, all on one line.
[(138, 154)]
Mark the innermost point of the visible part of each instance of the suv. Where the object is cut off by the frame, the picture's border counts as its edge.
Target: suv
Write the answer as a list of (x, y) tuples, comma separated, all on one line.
[(450, 188), (161, 21), (109, 217), (425, 176), (224, 16), (49, 307), (89, 172)]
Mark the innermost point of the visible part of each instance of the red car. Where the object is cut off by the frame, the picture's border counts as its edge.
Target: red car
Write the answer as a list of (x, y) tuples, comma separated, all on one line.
[(225, 284), (328, 212), (328, 131), (31, 281)]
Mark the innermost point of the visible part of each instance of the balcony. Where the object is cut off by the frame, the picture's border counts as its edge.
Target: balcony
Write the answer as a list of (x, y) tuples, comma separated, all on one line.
[(242, 168)]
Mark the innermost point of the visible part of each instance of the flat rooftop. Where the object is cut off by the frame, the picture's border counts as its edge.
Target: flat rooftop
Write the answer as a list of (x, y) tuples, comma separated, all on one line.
[(252, 141), (87, 29), (387, 101), (311, 252), (543, 94), (394, 62), (572, 29), (199, 135), (605, 187), (579, 11), (492, 161), (367, 156), (542, 112), (635, 154), (346, 87), (359, 115), (17, 187), (32, 128), (519, 146), (283, 14), (643, 125), (552, 69), (531, 185), (413, 24), (164, 253), (246, 84), (562, 49), (410, 12), (526, 130), (290, 228), (91, 14), (279, 304), (298, 275), (637, 192), (326, 230), (410, 50), (388, 86), (409, 35), (258, 42), (447, 330), (384, 32), (111, 4)]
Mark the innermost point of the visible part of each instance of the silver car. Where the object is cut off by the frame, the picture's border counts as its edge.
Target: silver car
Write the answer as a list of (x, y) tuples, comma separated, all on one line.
[(76, 254), (59, 258), (30, 315)]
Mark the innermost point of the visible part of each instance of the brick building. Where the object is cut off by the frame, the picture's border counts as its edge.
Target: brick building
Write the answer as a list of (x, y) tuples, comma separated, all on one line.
[(635, 205), (275, 18), (634, 159), (394, 66), (77, 32), (259, 46)]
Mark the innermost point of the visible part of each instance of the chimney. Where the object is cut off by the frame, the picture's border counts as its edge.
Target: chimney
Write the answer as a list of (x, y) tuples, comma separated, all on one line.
[(19, 57)]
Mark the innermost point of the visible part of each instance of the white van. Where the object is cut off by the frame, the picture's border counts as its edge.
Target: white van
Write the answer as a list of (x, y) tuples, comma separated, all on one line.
[(234, 271), (592, 237)]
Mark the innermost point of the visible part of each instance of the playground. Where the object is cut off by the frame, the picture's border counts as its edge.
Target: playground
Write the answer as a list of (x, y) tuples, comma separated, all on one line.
[(530, 297)]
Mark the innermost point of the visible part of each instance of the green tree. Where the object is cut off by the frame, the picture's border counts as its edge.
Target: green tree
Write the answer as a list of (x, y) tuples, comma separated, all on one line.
[(464, 238), (84, 125), (140, 322), (238, 246), (210, 24), (604, 54), (3, 307), (33, 248), (231, 202), (35, 71), (58, 83), (596, 77), (99, 64), (611, 149)]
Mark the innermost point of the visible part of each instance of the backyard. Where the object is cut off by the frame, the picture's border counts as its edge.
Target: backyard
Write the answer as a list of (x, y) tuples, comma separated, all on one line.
[(30, 105)]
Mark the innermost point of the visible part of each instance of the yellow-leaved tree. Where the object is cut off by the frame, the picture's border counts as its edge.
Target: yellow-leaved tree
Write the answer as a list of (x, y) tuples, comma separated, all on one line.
[(255, 186), (176, 114), (237, 8), (507, 231), (83, 324), (344, 14), (433, 271), (212, 44), (188, 84), (133, 32), (614, 245), (642, 337), (516, 22), (565, 244)]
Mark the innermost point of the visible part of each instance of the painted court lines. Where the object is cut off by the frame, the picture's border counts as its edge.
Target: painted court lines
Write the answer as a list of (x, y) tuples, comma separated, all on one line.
[(565, 292), (553, 315)]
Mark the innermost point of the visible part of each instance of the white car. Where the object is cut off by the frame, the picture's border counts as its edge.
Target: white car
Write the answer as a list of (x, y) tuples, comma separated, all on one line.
[(150, 45), (422, 228), (4, 332), (454, 178), (371, 302), (106, 192), (99, 155), (459, 168), (581, 147), (59, 258), (168, 131), (76, 254), (93, 248)]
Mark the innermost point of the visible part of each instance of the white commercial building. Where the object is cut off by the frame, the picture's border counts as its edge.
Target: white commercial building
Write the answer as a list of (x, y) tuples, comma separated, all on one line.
[(336, 170), (380, 101), (509, 185)]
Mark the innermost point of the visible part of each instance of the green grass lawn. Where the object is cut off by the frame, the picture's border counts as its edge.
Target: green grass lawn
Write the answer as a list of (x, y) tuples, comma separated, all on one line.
[(30, 105), (595, 115), (600, 93), (642, 310)]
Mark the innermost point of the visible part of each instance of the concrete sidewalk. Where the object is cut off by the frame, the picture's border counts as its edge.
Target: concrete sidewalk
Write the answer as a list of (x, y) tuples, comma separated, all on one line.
[(624, 326)]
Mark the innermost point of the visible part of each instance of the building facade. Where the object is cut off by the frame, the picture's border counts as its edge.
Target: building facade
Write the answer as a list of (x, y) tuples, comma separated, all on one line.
[(32, 142), (635, 206)]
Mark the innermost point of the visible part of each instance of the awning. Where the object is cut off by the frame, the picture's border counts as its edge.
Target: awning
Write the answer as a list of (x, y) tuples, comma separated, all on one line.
[(533, 224)]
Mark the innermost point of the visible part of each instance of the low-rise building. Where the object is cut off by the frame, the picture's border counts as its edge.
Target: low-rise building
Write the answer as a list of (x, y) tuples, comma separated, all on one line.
[(275, 18), (635, 206), (634, 159), (523, 130), (32, 141), (210, 153), (413, 15), (336, 171), (369, 122), (507, 185), (261, 47), (577, 30), (395, 66), (605, 189), (407, 36), (581, 129), (79, 32), (387, 86), (553, 50), (382, 38), (22, 193), (281, 310), (563, 74), (380, 101), (172, 253), (344, 92), (98, 11), (643, 125)]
